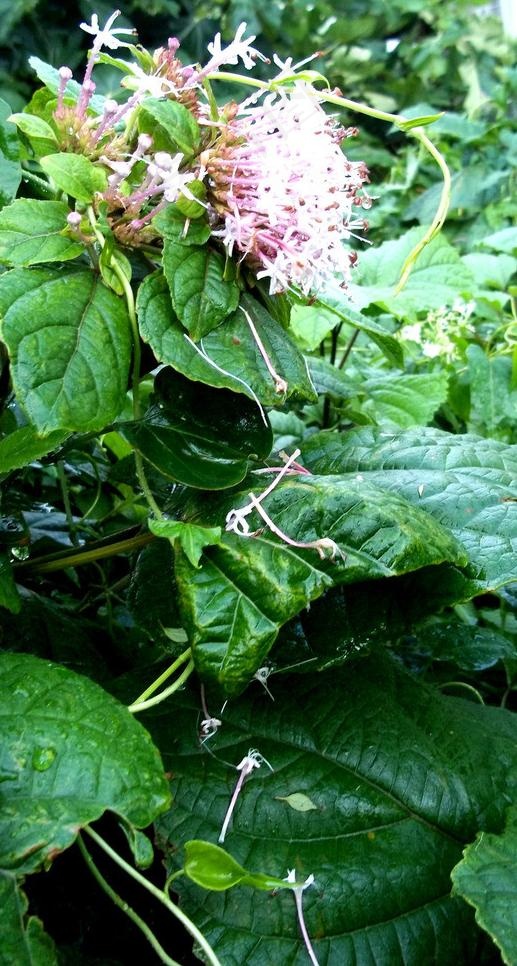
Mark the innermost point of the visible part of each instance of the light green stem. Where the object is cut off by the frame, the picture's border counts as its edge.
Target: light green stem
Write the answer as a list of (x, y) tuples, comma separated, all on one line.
[(163, 677), (125, 907), (399, 121), (158, 894), (151, 702)]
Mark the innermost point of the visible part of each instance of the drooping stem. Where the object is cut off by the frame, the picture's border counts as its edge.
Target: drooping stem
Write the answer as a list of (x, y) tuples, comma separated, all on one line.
[(125, 907), (163, 677), (158, 894), (158, 698)]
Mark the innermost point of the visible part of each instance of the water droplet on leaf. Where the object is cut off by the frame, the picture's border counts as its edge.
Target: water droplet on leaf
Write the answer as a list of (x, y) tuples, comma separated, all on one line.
[(43, 758)]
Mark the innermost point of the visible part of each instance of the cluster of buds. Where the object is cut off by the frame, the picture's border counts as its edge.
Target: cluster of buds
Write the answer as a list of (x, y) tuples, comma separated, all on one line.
[(279, 191)]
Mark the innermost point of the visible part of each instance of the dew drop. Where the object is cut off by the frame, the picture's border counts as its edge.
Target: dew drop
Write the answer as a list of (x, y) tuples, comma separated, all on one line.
[(43, 758)]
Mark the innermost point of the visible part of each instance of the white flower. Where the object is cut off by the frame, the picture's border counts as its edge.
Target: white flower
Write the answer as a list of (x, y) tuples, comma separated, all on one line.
[(106, 37), (239, 48)]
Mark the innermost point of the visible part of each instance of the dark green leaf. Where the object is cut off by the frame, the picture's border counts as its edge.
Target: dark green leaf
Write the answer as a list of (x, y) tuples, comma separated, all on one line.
[(233, 607), (9, 596), (200, 436), (10, 167), (23, 940), (172, 126), (69, 341), (33, 231), (401, 776), (174, 225), (231, 358), (75, 175), (464, 482), (202, 286), (69, 751), (487, 878), (191, 538), (471, 648)]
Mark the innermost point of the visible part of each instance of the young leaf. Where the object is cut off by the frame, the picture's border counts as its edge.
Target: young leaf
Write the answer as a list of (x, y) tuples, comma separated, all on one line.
[(487, 878), (200, 436), (247, 588), (10, 167), (231, 356), (191, 538), (211, 867), (464, 482), (33, 126), (75, 175), (172, 126), (402, 780), (68, 337), (69, 751), (24, 941), (202, 286), (33, 231)]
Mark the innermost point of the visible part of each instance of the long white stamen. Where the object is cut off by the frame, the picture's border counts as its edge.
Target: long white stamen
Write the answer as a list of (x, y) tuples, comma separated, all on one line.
[(281, 385), (252, 760)]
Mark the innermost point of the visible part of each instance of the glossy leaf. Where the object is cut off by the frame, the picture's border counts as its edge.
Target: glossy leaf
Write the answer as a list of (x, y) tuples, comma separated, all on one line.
[(69, 751), (33, 231), (191, 538), (228, 357), (487, 878), (25, 445), (202, 286), (211, 867), (247, 588), (464, 482), (75, 175), (68, 337), (23, 939), (401, 776), (200, 436), (172, 126), (10, 167)]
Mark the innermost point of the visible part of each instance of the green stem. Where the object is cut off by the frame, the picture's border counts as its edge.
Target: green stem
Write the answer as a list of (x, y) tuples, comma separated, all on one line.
[(163, 677), (63, 483), (462, 684), (151, 702), (158, 894), (50, 563), (125, 907)]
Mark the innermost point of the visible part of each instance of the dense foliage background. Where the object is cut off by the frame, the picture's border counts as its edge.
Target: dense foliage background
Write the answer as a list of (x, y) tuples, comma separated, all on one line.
[(392, 732)]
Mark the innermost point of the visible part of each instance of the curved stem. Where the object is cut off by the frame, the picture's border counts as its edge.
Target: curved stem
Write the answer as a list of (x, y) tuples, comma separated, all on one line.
[(158, 894), (125, 907), (163, 677), (143, 705)]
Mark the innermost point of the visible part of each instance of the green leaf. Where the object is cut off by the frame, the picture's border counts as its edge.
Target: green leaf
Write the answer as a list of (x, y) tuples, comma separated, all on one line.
[(75, 175), (33, 231), (465, 483), (236, 362), (9, 596), (298, 801), (24, 941), (33, 126), (437, 278), (173, 224), (172, 126), (68, 337), (401, 779), (24, 445), (404, 400), (200, 436), (487, 878), (311, 324), (328, 378), (504, 240), (471, 648), (493, 400), (493, 271), (246, 589), (191, 538), (10, 167), (201, 284), (49, 76), (69, 751), (386, 342), (419, 121)]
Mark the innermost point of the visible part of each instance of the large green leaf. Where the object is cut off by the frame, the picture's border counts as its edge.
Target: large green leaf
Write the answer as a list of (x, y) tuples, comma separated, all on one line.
[(172, 126), (200, 436), (404, 400), (401, 778), (487, 878), (437, 278), (69, 751), (202, 285), (23, 941), (75, 175), (493, 397), (10, 167), (231, 358), (233, 607), (24, 445), (32, 231), (464, 482), (69, 341)]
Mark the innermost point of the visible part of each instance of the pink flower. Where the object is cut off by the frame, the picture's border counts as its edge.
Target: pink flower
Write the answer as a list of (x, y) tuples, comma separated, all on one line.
[(285, 191)]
